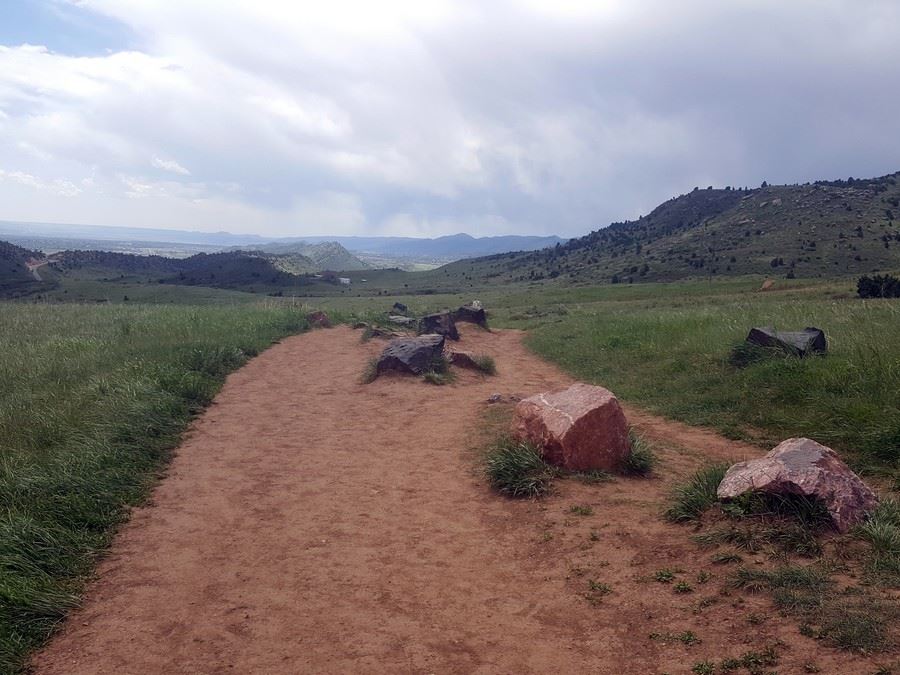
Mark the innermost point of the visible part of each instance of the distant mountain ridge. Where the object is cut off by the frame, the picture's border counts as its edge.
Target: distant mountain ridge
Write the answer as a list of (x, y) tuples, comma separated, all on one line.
[(444, 248), (821, 229)]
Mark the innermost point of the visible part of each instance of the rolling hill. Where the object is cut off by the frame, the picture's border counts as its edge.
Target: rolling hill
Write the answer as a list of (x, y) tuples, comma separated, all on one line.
[(822, 229), (16, 278), (325, 255)]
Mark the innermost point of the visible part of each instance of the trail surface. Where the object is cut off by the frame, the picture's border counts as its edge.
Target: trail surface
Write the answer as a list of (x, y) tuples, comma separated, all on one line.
[(311, 524)]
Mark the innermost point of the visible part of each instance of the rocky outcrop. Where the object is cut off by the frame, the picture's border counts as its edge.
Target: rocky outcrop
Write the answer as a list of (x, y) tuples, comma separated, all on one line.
[(440, 324), (800, 466), (318, 319), (581, 428), (801, 343), (411, 354), (472, 313)]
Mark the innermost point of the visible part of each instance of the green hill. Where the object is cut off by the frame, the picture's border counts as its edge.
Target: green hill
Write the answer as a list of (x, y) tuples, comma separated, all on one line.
[(15, 276), (823, 229), (326, 255)]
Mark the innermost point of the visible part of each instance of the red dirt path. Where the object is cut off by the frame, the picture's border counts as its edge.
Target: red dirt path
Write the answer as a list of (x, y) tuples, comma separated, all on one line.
[(313, 524)]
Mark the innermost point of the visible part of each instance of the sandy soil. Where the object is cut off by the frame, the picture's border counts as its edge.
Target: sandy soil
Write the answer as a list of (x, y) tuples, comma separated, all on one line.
[(313, 524)]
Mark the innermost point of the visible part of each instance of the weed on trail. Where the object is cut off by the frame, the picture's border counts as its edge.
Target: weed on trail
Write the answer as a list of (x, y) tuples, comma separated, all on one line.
[(698, 494), (92, 401), (641, 460), (370, 371), (516, 469), (439, 372), (485, 364)]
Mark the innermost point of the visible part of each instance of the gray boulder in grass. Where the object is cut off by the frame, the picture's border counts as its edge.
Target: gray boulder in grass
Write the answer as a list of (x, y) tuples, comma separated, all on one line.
[(411, 355), (799, 342), (800, 466)]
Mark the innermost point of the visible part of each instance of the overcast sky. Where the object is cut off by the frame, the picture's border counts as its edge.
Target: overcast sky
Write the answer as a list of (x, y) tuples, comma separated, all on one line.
[(428, 118)]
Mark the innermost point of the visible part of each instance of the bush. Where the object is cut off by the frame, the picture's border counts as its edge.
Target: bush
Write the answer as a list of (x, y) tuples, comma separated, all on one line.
[(641, 459), (878, 286), (516, 469)]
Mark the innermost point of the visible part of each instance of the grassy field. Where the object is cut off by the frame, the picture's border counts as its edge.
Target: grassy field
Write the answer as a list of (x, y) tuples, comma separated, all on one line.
[(667, 348), (92, 400)]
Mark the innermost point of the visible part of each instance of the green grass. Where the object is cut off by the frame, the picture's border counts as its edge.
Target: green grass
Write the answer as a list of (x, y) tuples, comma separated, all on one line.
[(93, 398), (485, 364), (696, 495), (855, 619), (669, 348), (516, 469), (641, 459), (882, 532)]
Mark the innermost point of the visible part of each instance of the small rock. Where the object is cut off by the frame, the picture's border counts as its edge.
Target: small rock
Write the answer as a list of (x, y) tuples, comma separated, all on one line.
[(581, 428), (411, 354), (441, 324), (495, 398), (800, 343), (360, 324), (400, 308), (318, 319), (800, 466)]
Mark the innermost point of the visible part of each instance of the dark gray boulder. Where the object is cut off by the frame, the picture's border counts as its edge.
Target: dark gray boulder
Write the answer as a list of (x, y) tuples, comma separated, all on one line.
[(411, 354), (440, 324), (801, 342), (471, 314), (400, 308)]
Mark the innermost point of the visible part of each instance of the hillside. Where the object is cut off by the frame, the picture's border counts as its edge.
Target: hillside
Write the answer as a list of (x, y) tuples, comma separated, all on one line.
[(822, 229), (326, 255), (15, 276), (450, 247)]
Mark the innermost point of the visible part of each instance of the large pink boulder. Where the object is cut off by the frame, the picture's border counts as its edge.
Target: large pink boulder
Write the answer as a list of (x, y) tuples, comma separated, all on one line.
[(581, 428), (800, 466)]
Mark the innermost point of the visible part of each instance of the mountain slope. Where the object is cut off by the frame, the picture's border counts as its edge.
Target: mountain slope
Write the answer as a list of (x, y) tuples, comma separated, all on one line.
[(822, 229), (15, 275), (326, 255)]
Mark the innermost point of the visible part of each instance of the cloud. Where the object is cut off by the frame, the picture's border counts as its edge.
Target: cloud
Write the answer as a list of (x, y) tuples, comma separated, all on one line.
[(169, 165), (437, 117)]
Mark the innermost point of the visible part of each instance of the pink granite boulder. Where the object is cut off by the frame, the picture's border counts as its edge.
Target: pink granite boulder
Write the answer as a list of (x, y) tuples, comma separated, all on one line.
[(581, 428), (800, 466)]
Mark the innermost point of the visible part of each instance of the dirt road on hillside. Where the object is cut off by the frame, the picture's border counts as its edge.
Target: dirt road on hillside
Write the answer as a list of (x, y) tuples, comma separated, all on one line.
[(311, 524)]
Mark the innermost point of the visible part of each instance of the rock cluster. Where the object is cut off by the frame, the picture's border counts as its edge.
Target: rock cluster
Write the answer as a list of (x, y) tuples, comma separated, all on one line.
[(411, 354)]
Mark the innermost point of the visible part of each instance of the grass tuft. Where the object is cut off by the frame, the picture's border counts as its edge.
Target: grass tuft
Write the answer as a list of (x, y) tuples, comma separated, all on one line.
[(485, 364), (641, 460), (691, 499), (370, 372), (516, 469)]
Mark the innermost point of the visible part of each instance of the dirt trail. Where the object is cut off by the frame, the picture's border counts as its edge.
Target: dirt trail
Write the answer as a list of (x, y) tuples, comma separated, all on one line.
[(313, 524)]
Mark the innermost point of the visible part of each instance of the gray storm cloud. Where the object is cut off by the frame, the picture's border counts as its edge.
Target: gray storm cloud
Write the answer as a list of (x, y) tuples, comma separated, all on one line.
[(433, 118)]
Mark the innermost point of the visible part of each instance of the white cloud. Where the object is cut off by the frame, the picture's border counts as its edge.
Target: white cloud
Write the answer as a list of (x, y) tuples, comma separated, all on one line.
[(169, 165), (436, 117)]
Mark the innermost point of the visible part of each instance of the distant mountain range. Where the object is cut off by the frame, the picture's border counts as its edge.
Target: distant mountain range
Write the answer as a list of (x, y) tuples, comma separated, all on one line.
[(439, 249)]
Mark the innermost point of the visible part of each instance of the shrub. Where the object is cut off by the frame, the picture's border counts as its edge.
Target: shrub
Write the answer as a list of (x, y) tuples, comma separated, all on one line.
[(878, 286), (485, 364), (641, 459)]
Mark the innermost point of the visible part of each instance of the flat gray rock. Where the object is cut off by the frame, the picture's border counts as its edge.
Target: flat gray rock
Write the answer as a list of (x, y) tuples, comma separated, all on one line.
[(411, 354)]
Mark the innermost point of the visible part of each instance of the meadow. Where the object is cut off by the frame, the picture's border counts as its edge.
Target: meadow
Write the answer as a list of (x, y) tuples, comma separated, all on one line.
[(93, 398)]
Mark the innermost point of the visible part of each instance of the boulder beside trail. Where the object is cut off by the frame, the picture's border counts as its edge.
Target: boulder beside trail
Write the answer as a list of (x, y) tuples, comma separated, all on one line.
[(441, 324), (411, 354), (800, 466), (800, 343), (318, 319), (400, 308), (581, 428), (471, 313)]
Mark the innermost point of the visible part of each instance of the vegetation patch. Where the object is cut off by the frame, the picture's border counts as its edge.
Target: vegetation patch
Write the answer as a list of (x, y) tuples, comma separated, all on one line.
[(516, 469), (692, 498), (641, 460), (485, 364)]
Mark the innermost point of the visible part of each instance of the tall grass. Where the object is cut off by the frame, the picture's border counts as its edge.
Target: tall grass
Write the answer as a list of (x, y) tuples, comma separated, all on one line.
[(673, 357), (92, 401)]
